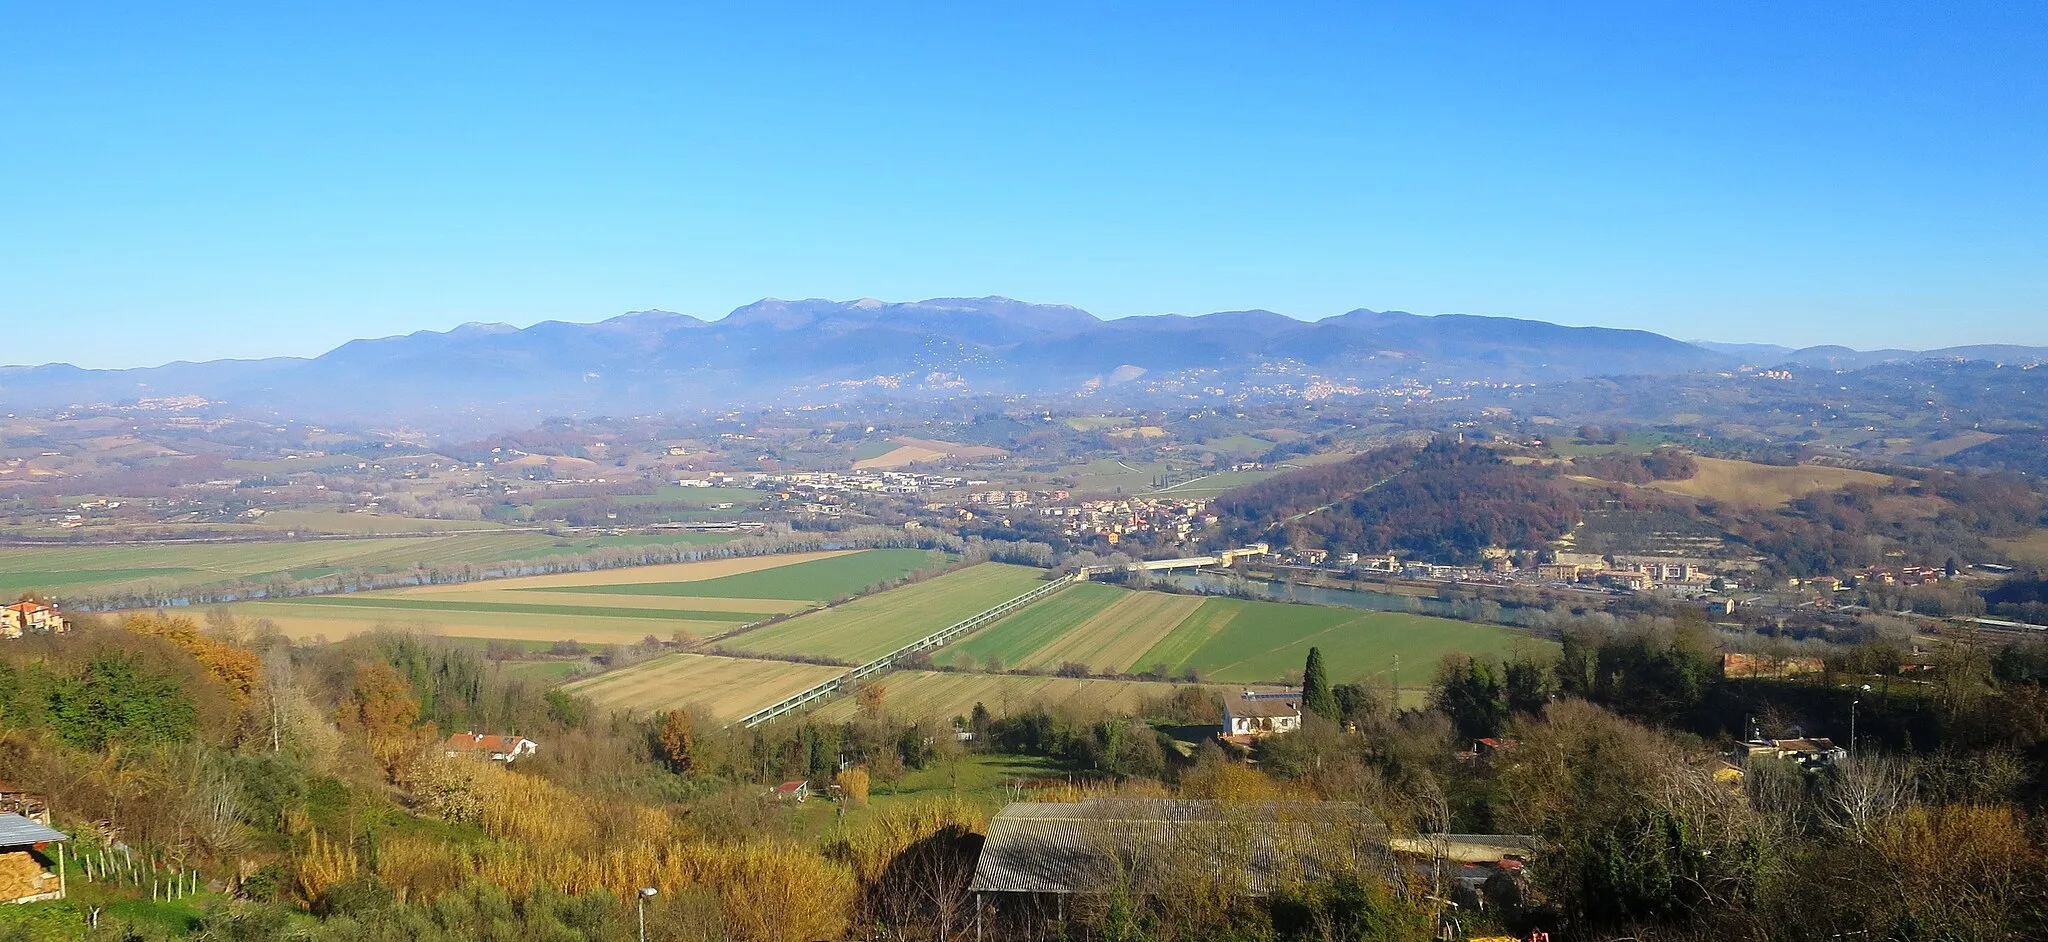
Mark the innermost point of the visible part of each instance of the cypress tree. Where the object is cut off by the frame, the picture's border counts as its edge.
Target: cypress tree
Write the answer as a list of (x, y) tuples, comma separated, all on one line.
[(1315, 687)]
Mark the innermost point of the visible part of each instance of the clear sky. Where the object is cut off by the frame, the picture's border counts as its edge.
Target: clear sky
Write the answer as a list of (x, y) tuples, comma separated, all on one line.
[(199, 180)]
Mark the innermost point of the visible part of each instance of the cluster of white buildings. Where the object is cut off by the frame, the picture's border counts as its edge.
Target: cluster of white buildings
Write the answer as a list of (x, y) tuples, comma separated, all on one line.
[(869, 482), (1015, 498), (1173, 517)]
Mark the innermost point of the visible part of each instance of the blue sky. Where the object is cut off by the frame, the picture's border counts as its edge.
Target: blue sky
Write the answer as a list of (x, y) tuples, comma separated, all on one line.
[(192, 181)]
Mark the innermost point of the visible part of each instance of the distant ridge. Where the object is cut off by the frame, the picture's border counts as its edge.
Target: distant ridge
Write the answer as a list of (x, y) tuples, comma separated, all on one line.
[(1837, 357), (776, 350)]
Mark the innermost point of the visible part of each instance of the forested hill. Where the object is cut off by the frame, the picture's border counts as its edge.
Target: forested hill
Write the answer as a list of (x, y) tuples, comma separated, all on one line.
[(1446, 502)]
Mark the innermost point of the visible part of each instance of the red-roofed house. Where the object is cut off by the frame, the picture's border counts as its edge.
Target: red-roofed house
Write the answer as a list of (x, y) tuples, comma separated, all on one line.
[(799, 790), (506, 749), (24, 617)]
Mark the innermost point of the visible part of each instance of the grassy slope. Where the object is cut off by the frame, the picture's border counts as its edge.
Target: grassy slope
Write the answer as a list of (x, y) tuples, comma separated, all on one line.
[(985, 780), (815, 581), (875, 625), (1745, 482)]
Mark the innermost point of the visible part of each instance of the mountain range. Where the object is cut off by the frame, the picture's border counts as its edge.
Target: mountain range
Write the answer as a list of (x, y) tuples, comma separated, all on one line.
[(830, 351)]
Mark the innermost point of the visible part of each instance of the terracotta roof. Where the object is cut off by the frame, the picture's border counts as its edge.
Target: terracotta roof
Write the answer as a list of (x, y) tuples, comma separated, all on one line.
[(788, 788), (29, 608)]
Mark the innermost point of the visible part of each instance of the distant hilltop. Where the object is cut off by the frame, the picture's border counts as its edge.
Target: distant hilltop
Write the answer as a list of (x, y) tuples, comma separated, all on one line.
[(777, 351)]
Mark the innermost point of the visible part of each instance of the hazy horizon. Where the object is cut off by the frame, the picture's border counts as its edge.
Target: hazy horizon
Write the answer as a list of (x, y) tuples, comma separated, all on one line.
[(201, 184), (712, 319)]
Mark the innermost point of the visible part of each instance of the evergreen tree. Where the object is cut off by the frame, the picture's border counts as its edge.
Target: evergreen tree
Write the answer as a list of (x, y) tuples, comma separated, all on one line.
[(1315, 687)]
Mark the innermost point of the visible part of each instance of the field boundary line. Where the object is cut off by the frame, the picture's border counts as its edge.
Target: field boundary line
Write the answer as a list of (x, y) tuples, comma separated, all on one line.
[(840, 684)]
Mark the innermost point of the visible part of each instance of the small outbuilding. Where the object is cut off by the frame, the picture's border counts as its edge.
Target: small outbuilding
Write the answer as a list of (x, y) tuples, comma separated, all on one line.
[(26, 861)]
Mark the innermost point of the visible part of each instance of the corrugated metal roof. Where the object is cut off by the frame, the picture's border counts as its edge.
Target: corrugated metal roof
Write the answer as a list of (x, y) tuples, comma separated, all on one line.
[(16, 831)]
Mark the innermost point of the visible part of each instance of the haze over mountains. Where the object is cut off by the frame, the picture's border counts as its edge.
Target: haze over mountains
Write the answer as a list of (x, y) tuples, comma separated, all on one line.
[(776, 351)]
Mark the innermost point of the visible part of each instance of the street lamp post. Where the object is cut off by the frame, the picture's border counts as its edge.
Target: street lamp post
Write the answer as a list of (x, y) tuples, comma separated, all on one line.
[(1853, 704), (1852, 719), (646, 893)]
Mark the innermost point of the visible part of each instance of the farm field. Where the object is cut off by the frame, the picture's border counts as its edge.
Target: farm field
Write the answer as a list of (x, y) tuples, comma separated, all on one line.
[(1248, 642), (869, 627), (593, 606), (2032, 548), (1213, 484), (303, 620), (699, 571), (814, 580), (942, 696), (726, 688), (1012, 641), (1120, 631), (912, 450), (335, 521), (85, 570), (1745, 482), (1109, 476), (1111, 637), (695, 502)]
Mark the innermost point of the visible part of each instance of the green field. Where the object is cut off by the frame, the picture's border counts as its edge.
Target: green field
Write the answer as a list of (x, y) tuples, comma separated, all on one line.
[(86, 570), (608, 606), (697, 500), (815, 581), (872, 626), (1245, 642), (1213, 484), (14, 582), (1241, 445), (988, 781), (336, 521), (1014, 639), (1118, 631), (1110, 476)]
